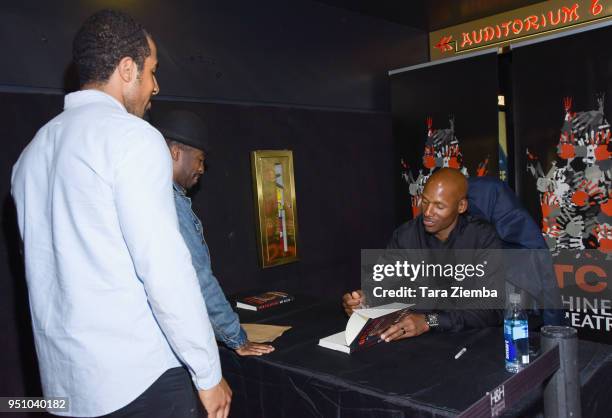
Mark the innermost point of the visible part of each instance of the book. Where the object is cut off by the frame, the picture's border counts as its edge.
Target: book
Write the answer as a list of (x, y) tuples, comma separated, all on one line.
[(263, 301), (364, 327)]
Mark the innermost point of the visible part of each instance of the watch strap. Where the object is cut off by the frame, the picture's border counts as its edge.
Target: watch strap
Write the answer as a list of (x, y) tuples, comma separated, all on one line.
[(432, 320)]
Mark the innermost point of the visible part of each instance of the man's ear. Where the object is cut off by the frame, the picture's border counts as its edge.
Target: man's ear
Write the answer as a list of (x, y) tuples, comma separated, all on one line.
[(127, 69), (175, 152), (463, 206)]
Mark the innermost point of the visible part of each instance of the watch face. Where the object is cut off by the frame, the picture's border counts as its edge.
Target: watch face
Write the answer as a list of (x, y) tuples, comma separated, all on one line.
[(432, 320)]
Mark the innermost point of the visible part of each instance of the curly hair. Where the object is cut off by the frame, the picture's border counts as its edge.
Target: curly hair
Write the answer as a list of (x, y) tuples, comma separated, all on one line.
[(105, 38)]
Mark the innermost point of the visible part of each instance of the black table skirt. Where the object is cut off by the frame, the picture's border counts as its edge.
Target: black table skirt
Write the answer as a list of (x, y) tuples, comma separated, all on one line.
[(416, 377)]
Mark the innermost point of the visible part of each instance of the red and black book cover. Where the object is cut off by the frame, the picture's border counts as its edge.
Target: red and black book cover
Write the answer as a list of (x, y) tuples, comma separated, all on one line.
[(263, 301), (370, 333)]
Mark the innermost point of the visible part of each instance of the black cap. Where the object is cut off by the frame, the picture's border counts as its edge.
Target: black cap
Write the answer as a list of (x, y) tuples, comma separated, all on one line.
[(183, 126)]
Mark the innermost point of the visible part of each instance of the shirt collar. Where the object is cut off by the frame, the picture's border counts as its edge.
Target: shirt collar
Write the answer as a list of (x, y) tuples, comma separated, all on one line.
[(179, 189), (458, 229), (84, 97)]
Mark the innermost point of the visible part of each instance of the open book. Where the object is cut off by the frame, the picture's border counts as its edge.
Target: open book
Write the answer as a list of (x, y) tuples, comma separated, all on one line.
[(364, 327)]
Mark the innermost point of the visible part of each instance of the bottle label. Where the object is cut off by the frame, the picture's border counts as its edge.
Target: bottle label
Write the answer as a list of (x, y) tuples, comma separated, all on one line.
[(514, 331), (510, 349), (520, 330)]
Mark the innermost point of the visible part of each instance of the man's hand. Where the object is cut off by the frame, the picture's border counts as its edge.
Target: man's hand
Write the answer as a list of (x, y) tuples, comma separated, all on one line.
[(352, 301), (254, 349), (410, 326), (217, 400)]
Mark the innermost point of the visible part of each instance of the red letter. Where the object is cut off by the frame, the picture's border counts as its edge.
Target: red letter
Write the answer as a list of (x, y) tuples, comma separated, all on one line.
[(466, 39), (506, 26), (489, 33), (560, 270), (568, 13), (588, 287), (552, 21), (479, 39), (543, 20), (516, 22), (596, 8), (531, 22), (497, 31)]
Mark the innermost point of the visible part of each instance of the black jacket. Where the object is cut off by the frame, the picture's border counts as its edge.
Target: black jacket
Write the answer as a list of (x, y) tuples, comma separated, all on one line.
[(469, 233)]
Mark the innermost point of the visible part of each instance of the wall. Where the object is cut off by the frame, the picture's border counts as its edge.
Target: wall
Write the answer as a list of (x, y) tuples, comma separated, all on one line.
[(271, 51)]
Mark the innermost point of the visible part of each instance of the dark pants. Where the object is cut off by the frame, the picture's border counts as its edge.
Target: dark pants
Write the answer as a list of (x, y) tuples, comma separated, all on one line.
[(171, 396)]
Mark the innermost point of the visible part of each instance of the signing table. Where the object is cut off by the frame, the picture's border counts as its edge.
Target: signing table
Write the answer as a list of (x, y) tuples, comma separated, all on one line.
[(415, 377)]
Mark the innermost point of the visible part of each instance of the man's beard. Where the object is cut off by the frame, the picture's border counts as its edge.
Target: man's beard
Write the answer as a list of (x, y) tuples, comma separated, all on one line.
[(131, 100), (133, 109)]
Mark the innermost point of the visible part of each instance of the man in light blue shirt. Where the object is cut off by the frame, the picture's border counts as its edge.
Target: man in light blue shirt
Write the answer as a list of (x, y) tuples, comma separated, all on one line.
[(186, 135), (119, 323)]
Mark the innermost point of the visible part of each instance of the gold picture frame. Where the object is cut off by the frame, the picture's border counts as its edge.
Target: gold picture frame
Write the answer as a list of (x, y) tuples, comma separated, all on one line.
[(274, 192)]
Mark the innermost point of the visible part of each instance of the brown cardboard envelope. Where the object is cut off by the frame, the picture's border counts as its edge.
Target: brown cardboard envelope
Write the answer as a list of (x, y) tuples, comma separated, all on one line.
[(262, 333)]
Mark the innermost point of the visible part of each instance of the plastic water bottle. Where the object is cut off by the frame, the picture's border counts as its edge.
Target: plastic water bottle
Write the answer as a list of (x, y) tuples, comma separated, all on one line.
[(516, 336)]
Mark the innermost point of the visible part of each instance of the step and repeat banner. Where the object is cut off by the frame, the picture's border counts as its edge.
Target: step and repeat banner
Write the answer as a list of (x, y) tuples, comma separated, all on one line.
[(562, 107)]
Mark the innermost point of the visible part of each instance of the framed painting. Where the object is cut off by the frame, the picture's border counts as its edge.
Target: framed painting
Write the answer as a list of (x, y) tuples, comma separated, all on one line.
[(274, 192)]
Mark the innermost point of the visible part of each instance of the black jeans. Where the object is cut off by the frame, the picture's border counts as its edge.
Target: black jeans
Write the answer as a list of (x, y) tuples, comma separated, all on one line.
[(171, 396)]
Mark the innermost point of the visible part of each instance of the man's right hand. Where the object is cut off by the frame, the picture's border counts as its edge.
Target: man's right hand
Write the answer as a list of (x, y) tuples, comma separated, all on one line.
[(254, 349), (217, 400), (352, 301)]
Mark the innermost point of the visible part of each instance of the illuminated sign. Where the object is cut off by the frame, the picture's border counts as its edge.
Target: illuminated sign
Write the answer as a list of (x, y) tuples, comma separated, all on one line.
[(531, 21)]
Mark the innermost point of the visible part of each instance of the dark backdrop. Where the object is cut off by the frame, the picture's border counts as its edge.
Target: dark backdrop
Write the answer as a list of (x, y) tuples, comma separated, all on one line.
[(343, 166), (297, 52), (466, 90)]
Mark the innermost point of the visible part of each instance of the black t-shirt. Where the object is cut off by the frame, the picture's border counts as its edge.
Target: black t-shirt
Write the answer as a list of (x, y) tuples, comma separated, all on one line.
[(469, 233)]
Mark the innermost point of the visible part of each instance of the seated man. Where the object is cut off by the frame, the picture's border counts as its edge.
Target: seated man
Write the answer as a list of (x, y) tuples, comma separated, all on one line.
[(442, 225), (185, 134)]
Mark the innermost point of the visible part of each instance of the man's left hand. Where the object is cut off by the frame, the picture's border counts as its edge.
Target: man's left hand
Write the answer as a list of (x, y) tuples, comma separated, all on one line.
[(254, 349), (410, 326)]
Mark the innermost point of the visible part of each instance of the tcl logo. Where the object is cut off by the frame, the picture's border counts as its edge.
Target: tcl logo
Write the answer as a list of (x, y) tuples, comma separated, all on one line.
[(597, 277)]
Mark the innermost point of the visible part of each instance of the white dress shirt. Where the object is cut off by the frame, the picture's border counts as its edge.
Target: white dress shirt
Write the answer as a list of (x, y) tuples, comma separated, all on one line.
[(113, 294)]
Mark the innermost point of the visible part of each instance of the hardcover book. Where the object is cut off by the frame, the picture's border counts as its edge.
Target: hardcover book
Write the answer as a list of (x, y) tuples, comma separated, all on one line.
[(263, 301), (364, 327)]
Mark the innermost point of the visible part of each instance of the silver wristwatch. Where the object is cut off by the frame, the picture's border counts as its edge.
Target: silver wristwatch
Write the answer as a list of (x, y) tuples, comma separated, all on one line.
[(431, 319)]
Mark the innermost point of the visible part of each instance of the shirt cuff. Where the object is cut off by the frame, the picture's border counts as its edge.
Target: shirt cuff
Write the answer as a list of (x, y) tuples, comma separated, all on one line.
[(239, 341), (208, 382)]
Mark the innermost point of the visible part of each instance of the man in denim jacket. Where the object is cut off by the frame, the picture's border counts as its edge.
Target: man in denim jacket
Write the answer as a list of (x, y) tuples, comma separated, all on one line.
[(185, 134)]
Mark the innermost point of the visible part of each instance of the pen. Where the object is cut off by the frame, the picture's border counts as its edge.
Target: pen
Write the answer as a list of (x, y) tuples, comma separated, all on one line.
[(460, 353)]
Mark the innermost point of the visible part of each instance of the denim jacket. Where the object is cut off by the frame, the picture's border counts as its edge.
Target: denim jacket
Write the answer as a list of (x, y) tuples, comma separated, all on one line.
[(224, 320)]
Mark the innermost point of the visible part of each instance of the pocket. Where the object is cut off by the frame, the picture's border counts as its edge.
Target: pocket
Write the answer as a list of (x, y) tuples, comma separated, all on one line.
[(197, 224)]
